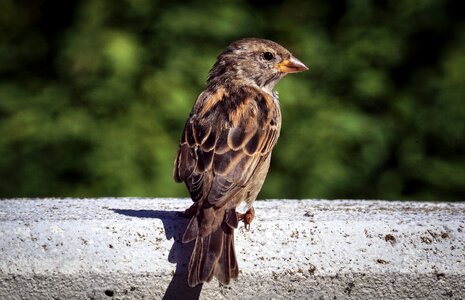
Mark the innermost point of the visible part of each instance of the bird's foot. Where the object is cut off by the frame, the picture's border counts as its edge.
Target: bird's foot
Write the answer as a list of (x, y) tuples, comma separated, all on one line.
[(188, 213), (247, 217)]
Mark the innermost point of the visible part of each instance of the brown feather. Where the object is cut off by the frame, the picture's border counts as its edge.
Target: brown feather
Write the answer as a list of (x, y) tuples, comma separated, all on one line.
[(184, 164), (238, 137), (201, 133), (224, 163), (222, 146), (204, 160), (221, 191), (210, 142), (214, 254), (212, 100), (198, 185), (190, 133), (255, 141), (192, 231)]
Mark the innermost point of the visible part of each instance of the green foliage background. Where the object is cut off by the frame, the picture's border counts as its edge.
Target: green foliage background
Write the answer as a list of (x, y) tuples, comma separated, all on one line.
[(94, 95)]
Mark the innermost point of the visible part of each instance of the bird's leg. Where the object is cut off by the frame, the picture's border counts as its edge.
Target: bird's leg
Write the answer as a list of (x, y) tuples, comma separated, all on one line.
[(247, 217), (188, 213)]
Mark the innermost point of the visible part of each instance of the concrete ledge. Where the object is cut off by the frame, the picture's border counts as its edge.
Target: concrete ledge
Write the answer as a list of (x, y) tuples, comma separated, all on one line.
[(129, 248)]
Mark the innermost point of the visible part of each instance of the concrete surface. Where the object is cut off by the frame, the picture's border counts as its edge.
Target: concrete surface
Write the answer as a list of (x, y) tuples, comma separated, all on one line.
[(128, 248)]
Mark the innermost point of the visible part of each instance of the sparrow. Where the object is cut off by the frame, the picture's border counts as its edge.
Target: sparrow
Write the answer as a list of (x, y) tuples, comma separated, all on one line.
[(225, 150)]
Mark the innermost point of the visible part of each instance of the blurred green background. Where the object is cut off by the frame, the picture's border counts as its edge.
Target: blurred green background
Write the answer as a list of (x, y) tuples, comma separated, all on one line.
[(94, 95)]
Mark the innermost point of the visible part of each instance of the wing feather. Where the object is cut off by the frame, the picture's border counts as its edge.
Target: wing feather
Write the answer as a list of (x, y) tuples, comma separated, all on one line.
[(223, 144), (190, 134)]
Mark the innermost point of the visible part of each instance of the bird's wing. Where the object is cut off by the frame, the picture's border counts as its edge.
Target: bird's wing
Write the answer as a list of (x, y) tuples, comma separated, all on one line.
[(225, 140)]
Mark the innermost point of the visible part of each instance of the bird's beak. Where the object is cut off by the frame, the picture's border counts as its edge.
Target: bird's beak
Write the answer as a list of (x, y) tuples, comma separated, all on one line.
[(292, 65)]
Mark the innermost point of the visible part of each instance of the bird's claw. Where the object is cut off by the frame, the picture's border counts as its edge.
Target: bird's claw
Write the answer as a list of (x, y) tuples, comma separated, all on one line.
[(247, 217), (247, 226)]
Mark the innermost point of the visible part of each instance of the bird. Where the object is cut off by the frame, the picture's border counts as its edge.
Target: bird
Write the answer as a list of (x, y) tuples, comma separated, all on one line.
[(225, 150)]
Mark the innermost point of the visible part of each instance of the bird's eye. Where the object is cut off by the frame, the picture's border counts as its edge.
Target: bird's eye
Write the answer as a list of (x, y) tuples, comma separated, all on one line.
[(268, 55)]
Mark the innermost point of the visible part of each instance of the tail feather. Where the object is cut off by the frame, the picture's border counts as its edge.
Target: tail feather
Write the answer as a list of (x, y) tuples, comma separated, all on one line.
[(227, 267), (214, 255)]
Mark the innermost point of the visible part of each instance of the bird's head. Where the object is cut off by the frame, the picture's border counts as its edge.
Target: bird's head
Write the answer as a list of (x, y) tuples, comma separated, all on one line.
[(253, 61)]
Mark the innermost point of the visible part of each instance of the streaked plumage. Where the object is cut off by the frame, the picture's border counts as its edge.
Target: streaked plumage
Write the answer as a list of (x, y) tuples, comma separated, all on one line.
[(225, 149)]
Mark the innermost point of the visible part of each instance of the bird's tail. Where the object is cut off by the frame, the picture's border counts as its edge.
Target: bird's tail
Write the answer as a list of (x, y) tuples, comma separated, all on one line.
[(214, 253)]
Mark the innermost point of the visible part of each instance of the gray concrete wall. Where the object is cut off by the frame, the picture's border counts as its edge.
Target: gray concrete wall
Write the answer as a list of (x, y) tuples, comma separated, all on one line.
[(311, 249)]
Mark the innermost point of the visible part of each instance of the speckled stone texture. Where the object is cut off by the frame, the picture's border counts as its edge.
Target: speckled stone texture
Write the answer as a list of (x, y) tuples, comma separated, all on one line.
[(129, 248)]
